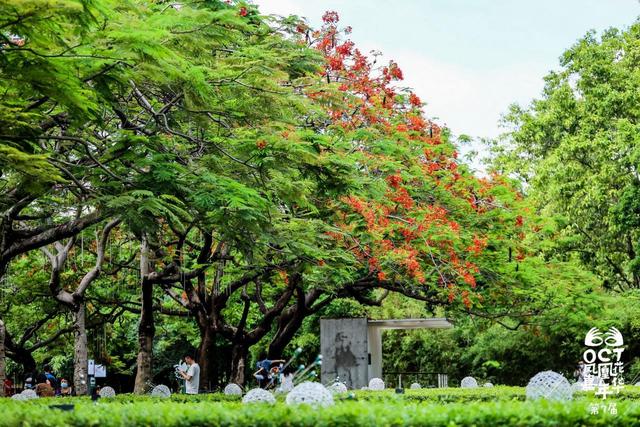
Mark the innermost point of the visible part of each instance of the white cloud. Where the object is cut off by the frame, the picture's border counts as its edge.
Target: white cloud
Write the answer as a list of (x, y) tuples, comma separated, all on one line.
[(281, 7), (469, 101)]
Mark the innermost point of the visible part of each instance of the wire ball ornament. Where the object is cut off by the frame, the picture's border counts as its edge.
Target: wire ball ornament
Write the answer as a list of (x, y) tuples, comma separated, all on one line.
[(337, 387), (415, 386), (259, 395), (29, 394), (286, 385), (549, 385), (376, 384), (19, 396), (488, 385), (180, 367), (107, 392), (310, 393), (233, 389), (469, 382), (162, 391), (577, 386)]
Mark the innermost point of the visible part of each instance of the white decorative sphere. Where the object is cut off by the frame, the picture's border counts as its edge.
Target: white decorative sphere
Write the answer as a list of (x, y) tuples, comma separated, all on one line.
[(233, 390), (19, 396), (376, 384), (161, 391), (488, 385), (311, 394), (468, 382), (415, 386), (637, 384), (337, 387), (549, 385), (287, 384), (107, 392), (258, 395), (364, 388), (29, 394)]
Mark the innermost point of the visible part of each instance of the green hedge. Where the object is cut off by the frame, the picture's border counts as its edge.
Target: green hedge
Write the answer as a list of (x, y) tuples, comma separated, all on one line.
[(482, 394), (447, 395), (498, 406), (361, 413)]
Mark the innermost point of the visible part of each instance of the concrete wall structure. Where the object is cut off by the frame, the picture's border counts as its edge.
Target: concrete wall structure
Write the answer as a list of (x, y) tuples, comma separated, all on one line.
[(352, 348), (343, 343)]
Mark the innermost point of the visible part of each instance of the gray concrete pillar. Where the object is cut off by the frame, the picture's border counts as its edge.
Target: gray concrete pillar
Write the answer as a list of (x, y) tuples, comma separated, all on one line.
[(344, 343), (375, 351)]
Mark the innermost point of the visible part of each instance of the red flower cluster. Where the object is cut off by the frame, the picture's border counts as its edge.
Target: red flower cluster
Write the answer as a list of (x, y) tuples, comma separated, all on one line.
[(403, 198), (477, 246), (330, 17), (392, 72), (519, 221), (394, 180), (414, 100), (416, 223)]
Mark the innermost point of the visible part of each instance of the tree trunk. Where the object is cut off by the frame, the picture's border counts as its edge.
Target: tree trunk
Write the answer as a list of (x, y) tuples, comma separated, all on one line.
[(2, 359), (19, 355), (206, 359), (25, 358), (238, 362), (287, 329), (80, 362), (146, 328), (146, 334)]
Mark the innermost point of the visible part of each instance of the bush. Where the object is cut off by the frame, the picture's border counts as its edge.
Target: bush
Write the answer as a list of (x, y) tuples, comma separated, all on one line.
[(501, 406)]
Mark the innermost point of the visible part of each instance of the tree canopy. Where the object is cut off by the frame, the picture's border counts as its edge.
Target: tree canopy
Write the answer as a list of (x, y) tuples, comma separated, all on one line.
[(199, 175)]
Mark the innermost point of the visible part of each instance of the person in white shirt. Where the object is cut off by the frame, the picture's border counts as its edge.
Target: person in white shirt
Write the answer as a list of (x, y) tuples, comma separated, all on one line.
[(191, 376)]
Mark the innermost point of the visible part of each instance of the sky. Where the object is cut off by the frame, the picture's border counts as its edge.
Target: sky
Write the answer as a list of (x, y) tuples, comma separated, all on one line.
[(468, 59)]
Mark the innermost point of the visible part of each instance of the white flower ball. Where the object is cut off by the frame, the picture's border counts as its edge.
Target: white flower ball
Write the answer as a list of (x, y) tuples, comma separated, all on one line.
[(258, 395), (107, 392), (287, 384), (376, 384), (488, 385), (311, 394), (415, 386), (364, 388), (29, 394), (468, 382), (549, 385), (19, 396), (161, 391), (233, 390), (337, 387)]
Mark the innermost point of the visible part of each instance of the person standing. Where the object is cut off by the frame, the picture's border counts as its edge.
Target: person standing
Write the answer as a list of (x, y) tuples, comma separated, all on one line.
[(578, 374), (191, 376), (65, 388), (50, 378), (8, 387)]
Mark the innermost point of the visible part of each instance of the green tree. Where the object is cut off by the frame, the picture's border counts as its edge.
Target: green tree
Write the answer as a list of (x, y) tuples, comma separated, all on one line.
[(578, 151)]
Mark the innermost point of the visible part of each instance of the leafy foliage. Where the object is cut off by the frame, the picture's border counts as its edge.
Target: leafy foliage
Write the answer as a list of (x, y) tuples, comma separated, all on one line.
[(577, 149)]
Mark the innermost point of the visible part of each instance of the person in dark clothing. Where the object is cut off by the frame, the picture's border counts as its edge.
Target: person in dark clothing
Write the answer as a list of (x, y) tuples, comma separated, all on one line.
[(65, 388), (266, 371), (50, 379), (8, 387)]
